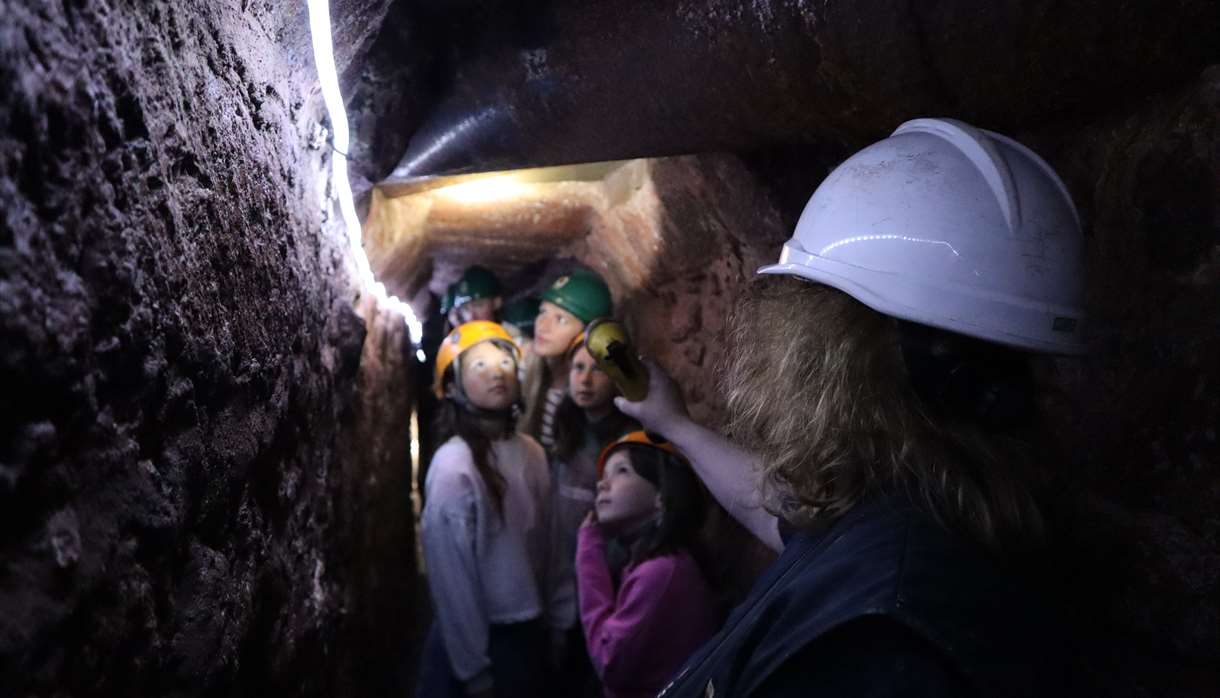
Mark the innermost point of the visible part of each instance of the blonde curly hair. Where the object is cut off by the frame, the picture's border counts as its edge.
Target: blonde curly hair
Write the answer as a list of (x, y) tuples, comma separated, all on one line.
[(817, 386)]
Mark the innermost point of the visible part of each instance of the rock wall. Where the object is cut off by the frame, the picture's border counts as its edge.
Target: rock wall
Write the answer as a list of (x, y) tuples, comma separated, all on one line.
[(1136, 490), (185, 464)]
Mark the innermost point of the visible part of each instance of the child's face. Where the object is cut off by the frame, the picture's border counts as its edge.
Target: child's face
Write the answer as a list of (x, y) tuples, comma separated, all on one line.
[(624, 499), (590, 388), (489, 376), (554, 330)]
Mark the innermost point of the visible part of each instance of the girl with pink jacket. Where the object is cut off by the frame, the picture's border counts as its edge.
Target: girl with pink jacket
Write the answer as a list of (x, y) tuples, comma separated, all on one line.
[(643, 622)]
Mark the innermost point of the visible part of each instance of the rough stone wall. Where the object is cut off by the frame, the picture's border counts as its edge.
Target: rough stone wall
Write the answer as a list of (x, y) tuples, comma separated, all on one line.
[(382, 596), (388, 88), (1140, 477), (180, 357)]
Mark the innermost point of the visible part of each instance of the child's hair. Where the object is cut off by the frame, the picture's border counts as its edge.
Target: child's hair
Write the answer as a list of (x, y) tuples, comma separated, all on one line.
[(683, 505), (533, 394)]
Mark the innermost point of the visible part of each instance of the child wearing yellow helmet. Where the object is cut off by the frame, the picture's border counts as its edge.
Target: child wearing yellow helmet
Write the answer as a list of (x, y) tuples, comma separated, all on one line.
[(477, 295), (485, 527)]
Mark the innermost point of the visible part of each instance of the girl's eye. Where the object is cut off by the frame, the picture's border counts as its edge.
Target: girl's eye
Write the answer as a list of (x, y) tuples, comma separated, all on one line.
[(506, 364), (561, 320)]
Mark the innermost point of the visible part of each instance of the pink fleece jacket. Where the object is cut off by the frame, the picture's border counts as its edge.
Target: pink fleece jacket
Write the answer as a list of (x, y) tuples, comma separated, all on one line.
[(639, 637)]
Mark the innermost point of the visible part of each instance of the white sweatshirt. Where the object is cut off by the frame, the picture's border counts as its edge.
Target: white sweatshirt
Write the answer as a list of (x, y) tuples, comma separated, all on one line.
[(482, 569)]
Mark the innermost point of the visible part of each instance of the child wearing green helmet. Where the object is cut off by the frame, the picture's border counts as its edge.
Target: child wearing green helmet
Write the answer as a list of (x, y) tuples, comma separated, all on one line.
[(477, 295), (572, 301), (447, 312)]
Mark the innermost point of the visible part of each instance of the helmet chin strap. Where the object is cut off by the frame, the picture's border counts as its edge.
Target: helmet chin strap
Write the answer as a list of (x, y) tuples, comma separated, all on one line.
[(509, 413)]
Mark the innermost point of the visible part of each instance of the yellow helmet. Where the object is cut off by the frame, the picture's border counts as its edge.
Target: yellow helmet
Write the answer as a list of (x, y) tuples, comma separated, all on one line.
[(642, 438), (462, 338)]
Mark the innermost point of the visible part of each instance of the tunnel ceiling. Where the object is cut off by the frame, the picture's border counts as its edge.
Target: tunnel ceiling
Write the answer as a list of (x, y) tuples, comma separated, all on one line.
[(462, 89), (430, 230), (459, 87)]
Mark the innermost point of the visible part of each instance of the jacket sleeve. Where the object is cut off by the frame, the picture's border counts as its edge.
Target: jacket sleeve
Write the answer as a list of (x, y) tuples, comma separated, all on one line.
[(448, 531), (619, 629)]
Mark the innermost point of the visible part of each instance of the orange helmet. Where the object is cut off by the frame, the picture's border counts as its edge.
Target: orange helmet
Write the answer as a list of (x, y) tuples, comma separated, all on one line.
[(577, 342), (462, 338), (642, 438)]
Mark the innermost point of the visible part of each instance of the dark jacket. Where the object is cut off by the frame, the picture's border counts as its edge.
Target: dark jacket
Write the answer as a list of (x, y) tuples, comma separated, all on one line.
[(884, 602)]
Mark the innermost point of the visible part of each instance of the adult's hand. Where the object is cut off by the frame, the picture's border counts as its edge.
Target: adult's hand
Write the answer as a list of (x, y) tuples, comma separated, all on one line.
[(730, 472), (662, 409)]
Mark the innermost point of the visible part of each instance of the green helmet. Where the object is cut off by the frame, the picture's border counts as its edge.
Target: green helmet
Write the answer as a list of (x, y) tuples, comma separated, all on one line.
[(477, 282), (447, 300), (520, 314), (582, 293)]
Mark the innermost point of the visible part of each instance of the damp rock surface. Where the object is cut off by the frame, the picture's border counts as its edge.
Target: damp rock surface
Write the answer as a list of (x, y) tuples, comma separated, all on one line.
[(1138, 529), (180, 355)]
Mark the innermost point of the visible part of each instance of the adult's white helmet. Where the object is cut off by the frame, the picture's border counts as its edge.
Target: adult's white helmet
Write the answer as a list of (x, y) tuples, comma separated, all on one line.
[(951, 226)]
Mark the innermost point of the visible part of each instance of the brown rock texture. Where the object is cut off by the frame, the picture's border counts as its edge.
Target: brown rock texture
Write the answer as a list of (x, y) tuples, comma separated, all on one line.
[(183, 470), (1137, 419)]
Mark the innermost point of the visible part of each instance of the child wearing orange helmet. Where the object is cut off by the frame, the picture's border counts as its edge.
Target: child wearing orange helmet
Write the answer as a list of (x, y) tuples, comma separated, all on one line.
[(641, 626)]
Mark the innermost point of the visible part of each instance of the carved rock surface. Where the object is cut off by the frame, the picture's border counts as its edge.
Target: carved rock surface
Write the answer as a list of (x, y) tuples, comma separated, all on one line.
[(180, 355), (1137, 484)]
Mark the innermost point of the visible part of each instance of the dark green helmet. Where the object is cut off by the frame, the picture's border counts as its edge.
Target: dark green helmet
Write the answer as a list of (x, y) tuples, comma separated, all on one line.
[(447, 300), (477, 282), (520, 314), (582, 293)]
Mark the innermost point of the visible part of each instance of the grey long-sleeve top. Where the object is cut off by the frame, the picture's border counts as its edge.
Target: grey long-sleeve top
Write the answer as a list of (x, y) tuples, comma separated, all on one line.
[(484, 569), (575, 489)]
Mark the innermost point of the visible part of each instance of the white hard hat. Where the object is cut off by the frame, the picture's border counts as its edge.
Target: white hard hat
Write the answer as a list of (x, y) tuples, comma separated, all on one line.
[(947, 225)]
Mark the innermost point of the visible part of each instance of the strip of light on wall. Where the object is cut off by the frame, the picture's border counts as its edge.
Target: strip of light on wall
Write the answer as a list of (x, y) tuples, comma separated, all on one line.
[(328, 76)]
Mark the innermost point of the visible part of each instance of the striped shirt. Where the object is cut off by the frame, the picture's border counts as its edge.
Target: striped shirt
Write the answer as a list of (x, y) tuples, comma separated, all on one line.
[(554, 396)]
